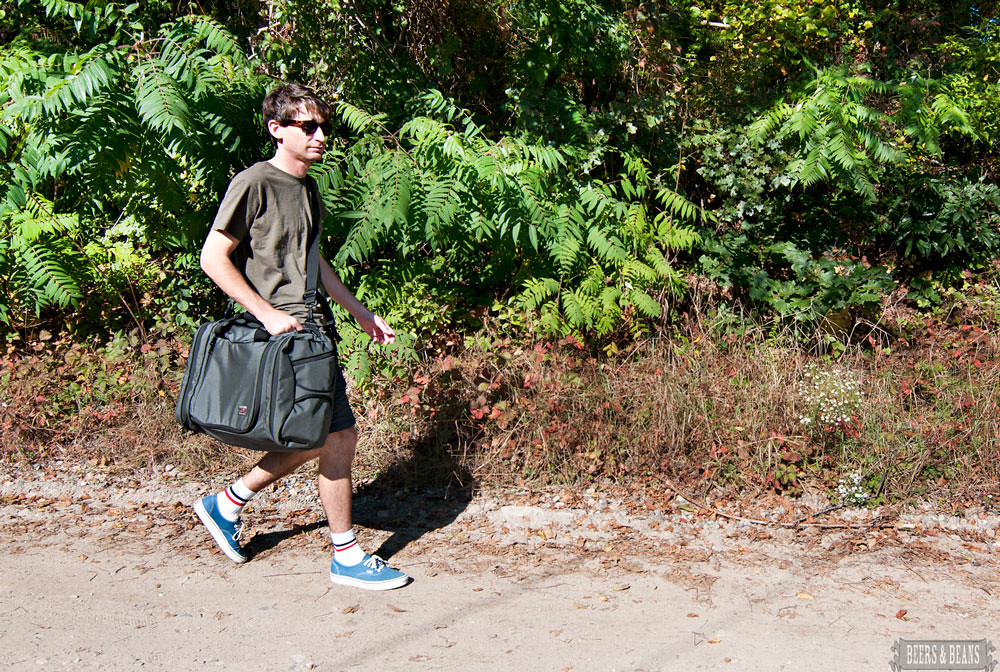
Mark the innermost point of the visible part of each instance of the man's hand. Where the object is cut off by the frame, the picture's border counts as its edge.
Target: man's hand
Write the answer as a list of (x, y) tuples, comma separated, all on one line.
[(375, 326), (278, 322)]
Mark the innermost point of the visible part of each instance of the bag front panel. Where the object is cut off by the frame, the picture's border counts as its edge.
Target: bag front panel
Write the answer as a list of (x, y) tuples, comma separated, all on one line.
[(228, 393)]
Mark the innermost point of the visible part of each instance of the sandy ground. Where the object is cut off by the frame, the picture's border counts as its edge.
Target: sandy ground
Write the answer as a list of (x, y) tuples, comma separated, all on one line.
[(103, 574)]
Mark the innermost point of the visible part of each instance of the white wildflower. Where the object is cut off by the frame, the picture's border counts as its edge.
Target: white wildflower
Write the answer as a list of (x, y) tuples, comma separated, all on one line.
[(851, 490), (833, 397)]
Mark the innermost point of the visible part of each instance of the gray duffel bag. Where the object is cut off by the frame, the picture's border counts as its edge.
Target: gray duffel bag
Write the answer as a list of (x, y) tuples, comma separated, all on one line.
[(248, 388)]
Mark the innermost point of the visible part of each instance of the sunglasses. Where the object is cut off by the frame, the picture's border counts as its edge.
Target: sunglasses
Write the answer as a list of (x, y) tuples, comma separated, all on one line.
[(309, 126)]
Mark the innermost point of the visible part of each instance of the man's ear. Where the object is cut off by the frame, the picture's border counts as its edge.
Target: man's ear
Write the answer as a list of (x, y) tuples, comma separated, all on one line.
[(272, 128)]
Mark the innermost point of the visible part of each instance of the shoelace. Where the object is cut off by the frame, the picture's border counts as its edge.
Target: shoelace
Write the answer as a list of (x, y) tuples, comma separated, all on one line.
[(239, 530), (374, 562)]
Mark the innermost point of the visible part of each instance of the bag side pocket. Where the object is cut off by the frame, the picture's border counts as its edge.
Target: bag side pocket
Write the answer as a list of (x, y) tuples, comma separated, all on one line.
[(308, 400)]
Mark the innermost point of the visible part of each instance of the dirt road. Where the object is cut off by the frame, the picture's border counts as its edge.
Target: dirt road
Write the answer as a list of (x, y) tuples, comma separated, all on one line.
[(97, 574)]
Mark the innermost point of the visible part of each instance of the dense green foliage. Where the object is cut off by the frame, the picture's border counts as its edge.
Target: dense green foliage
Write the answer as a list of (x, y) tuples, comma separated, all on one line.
[(464, 218), (117, 137), (566, 163)]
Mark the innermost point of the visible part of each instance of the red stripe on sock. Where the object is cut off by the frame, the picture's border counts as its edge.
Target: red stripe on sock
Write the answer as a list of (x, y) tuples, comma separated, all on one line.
[(230, 497), (337, 549)]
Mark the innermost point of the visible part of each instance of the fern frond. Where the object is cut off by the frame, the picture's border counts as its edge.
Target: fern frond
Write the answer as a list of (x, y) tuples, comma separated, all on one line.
[(551, 320), (159, 100), (864, 185), (397, 203), (215, 36), (679, 206), (565, 251), (361, 237), (813, 168), (576, 309), (637, 272), (638, 168), (644, 303), (607, 248), (658, 262), (549, 157), (766, 126), (536, 291), (453, 147), (838, 149), (594, 200), (39, 246), (440, 202), (357, 119), (610, 297), (46, 273), (529, 199), (951, 114), (424, 131), (38, 218), (670, 234), (882, 151), (83, 78)]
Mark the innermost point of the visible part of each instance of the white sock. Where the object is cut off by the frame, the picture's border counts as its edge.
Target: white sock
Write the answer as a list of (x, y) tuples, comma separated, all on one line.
[(346, 550), (231, 501)]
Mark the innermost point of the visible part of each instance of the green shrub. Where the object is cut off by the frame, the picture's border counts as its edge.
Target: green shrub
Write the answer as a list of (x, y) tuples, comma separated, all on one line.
[(116, 139), (939, 225), (497, 220)]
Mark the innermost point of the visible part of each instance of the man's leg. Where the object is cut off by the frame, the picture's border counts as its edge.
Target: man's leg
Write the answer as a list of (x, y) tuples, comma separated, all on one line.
[(220, 513), (274, 466), (335, 487), (350, 566)]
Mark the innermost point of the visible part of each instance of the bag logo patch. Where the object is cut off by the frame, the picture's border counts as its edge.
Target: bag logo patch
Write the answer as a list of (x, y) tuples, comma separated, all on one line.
[(242, 410)]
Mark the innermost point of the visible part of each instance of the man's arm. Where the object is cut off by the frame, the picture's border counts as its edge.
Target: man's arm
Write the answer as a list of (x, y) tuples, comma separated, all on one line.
[(219, 267), (370, 323)]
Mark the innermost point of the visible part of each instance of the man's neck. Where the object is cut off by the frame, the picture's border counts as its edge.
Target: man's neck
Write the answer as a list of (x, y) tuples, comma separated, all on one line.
[(285, 163)]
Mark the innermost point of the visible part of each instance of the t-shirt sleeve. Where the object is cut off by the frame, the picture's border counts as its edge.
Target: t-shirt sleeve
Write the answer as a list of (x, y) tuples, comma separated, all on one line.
[(238, 210)]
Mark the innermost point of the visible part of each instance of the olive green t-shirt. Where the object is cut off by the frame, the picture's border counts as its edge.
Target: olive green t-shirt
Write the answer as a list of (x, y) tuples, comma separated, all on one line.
[(269, 212)]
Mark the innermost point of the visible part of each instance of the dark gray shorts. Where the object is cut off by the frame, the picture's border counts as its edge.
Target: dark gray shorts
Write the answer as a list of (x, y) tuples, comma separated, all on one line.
[(343, 416)]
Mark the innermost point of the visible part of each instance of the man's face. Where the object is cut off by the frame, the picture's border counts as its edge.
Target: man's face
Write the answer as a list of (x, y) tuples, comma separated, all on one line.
[(303, 139)]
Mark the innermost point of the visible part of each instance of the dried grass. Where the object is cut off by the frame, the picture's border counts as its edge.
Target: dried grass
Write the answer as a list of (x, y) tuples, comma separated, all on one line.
[(716, 405)]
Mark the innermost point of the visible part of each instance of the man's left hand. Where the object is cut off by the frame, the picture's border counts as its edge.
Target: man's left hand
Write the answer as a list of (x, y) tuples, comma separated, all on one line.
[(380, 332)]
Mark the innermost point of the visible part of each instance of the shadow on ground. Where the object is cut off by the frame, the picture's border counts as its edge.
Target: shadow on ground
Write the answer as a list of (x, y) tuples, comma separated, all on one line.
[(423, 492), (263, 542)]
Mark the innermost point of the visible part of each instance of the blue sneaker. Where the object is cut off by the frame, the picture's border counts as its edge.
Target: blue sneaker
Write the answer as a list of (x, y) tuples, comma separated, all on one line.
[(370, 574), (225, 532)]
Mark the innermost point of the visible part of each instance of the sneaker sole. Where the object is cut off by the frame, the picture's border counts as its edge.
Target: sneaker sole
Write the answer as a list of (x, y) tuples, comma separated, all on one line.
[(218, 536), (388, 584)]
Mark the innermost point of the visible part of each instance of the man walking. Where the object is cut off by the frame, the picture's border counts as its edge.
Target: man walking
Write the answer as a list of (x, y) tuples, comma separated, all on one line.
[(267, 218)]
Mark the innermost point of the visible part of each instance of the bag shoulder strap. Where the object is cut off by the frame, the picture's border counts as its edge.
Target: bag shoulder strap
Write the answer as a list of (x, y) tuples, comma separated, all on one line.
[(311, 296)]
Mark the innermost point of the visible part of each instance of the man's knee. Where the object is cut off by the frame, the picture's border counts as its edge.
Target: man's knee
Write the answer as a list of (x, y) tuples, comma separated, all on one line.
[(342, 444)]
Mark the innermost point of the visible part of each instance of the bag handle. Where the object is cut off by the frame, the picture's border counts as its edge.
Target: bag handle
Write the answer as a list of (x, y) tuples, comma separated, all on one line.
[(222, 326)]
